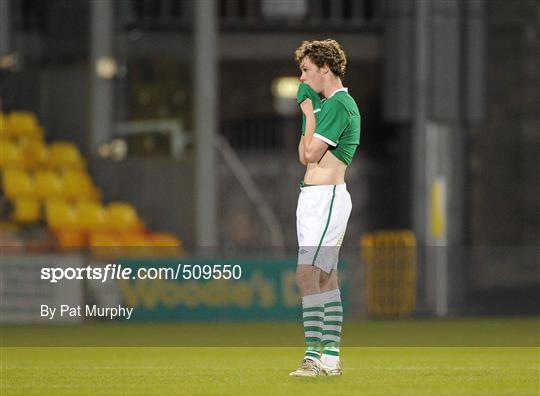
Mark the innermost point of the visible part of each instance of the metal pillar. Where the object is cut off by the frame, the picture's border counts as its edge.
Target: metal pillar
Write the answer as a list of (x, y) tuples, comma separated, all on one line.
[(430, 162), (205, 70), (440, 47), (420, 114), (101, 47)]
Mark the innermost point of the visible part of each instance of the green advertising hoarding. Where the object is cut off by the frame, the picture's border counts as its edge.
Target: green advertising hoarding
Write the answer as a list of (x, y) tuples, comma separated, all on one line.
[(258, 289)]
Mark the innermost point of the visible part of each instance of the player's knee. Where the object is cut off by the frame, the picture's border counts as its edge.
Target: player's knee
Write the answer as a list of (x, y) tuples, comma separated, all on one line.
[(322, 283), (301, 275), (306, 276), (328, 282), (324, 279)]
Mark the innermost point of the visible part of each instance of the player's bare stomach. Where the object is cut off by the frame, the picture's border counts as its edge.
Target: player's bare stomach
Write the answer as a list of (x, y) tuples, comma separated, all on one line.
[(329, 170)]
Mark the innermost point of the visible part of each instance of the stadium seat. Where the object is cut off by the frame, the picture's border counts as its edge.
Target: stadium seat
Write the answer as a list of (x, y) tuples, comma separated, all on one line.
[(3, 130), (95, 193), (48, 185), (35, 153), (11, 155), (104, 244), (165, 239), (27, 210), (65, 155), (103, 239), (135, 239), (135, 244), (61, 216), (166, 244), (122, 217), (79, 186), (22, 123), (18, 183), (92, 216), (71, 239)]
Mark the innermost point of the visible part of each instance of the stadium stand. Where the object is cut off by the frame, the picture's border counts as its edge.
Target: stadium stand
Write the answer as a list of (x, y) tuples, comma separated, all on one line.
[(11, 155), (35, 153), (65, 155), (48, 185), (26, 210)]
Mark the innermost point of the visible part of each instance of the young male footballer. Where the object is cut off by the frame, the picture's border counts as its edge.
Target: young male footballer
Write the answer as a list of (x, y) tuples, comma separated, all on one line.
[(331, 134)]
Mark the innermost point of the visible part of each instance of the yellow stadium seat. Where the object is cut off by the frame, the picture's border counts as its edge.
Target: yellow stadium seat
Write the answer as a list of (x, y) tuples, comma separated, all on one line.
[(107, 244), (95, 193), (135, 244), (104, 244), (48, 185), (11, 155), (71, 239), (27, 210), (165, 239), (78, 185), (134, 239), (122, 216), (35, 154), (22, 123), (18, 183), (92, 216), (166, 244), (3, 131), (37, 134), (65, 155), (103, 239), (61, 216)]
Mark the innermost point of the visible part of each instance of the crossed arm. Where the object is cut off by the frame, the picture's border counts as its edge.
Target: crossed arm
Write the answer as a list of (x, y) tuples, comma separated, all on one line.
[(309, 149)]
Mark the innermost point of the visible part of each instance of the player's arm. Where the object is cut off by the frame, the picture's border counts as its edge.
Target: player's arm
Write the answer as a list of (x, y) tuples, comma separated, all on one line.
[(313, 149), (301, 151)]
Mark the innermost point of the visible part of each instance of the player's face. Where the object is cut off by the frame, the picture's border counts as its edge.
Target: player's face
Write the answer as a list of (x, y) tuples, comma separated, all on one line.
[(311, 75)]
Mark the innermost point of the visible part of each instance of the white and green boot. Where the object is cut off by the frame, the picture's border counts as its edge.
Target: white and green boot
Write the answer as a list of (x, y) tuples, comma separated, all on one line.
[(308, 368)]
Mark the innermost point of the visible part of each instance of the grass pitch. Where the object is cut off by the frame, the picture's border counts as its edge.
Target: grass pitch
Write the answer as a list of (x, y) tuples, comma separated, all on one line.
[(258, 370)]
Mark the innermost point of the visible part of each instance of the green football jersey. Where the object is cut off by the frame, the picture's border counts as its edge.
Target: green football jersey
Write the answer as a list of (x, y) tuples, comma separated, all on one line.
[(306, 92), (338, 125)]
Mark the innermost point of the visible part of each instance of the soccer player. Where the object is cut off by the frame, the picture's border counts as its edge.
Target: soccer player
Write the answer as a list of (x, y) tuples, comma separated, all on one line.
[(330, 138)]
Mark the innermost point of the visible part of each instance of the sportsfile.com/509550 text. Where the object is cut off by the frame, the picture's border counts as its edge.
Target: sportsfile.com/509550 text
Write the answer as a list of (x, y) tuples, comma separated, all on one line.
[(120, 272)]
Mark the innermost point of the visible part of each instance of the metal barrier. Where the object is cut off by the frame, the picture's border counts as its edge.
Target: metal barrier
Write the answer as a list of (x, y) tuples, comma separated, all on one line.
[(391, 272)]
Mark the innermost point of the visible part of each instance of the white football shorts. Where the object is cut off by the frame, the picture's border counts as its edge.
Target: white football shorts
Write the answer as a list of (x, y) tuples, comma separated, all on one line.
[(321, 220)]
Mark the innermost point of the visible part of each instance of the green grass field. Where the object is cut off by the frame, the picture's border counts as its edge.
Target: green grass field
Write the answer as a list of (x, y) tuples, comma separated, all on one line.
[(510, 366)]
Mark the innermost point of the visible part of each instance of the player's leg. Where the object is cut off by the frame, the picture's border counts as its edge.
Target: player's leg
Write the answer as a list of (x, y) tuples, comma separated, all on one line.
[(308, 279), (312, 316), (307, 276), (312, 308), (319, 232), (328, 281), (333, 318), (330, 293)]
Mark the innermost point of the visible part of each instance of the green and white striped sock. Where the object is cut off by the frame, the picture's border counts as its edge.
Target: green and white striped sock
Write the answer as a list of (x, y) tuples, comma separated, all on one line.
[(331, 334), (313, 316)]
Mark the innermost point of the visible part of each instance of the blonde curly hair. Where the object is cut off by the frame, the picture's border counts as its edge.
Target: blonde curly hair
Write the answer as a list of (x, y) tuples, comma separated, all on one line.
[(323, 52)]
